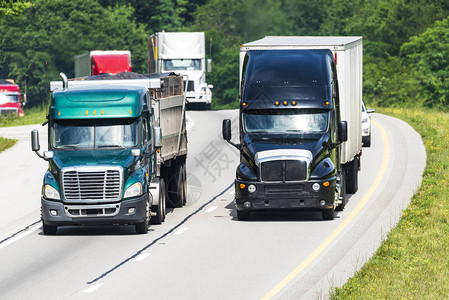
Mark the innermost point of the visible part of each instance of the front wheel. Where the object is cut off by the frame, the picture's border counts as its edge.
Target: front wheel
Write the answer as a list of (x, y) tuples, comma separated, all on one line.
[(342, 196), (328, 214), (243, 215), (142, 227), (160, 208), (49, 229)]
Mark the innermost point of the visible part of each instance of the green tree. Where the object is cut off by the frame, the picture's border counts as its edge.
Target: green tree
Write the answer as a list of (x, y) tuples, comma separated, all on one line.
[(158, 15), (429, 54), (42, 42), (13, 8)]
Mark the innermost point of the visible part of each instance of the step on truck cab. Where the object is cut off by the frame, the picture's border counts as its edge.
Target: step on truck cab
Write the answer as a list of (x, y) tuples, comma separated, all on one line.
[(299, 124), (116, 151)]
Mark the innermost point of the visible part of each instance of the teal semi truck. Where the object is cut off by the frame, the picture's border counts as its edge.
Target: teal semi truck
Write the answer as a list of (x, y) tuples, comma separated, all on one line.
[(117, 148)]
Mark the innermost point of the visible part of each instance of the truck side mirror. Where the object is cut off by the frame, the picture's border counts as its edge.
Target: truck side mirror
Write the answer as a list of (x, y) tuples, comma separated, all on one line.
[(24, 100), (36, 147), (226, 130), (157, 137), (343, 131), (35, 141), (209, 65)]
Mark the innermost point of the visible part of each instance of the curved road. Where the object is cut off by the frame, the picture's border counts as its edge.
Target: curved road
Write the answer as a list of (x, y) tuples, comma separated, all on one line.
[(202, 251)]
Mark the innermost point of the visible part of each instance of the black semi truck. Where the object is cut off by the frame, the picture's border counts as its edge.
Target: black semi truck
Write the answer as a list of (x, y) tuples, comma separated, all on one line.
[(300, 140)]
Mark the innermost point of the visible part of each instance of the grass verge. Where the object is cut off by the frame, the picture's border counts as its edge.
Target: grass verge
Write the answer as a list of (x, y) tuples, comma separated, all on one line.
[(413, 262), (6, 143), (32, 116)]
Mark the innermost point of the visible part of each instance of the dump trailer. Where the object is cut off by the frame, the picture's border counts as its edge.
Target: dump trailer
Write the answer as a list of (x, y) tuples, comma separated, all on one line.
[(102, 62), (117, 148), (184, 53), (299, 125)]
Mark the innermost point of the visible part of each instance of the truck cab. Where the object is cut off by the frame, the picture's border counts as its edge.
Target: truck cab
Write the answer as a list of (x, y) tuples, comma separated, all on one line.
[(12, 100), (99, 152)]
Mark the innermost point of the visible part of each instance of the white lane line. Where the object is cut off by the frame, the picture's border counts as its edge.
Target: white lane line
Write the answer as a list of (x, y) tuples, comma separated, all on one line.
[(181, 231), (142, 257), (20, 235), (211, 209), (93, 288)]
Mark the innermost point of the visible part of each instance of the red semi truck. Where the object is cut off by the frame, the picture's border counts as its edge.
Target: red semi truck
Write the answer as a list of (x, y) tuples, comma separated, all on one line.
[(11, 100), (102, 62)]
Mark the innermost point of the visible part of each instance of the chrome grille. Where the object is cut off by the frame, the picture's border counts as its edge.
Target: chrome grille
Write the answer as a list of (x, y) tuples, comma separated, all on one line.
[(92, 184)]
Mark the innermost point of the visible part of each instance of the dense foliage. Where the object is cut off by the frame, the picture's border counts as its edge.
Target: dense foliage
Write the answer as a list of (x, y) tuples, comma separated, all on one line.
[(405, 41)]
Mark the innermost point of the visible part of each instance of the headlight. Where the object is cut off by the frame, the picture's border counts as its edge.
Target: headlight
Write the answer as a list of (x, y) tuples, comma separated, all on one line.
[(134, 190), (51, 193)]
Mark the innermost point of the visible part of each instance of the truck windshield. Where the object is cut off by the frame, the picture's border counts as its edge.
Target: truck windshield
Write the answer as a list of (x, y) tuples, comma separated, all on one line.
[(182, 64), (9, 98), (98, 134), (285, 121)]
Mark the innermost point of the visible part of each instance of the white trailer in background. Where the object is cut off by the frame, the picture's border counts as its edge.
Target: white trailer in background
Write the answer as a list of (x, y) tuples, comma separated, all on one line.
[(348, 52), (183, 53)]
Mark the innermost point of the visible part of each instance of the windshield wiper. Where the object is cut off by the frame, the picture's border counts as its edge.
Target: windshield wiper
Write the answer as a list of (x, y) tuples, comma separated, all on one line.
[(70, 146), (111, 146)]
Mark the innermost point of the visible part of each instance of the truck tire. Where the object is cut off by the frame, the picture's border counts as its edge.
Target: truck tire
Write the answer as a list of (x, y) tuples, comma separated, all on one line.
[(49, 229), (366, 141), (243, 215), (176, 186), (184, 184), (160, 208), (352, 183), (328, 214), (342, 205), (142, 227)]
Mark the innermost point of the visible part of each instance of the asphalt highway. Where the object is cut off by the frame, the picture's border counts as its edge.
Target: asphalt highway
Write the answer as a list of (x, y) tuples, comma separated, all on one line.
[(202, 251)]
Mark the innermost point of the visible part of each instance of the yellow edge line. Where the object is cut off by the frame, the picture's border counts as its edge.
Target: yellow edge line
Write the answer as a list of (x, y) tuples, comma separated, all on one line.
[(343, 225)]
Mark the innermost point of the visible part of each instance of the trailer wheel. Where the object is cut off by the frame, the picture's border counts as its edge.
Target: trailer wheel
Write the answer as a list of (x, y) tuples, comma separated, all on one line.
[(49, 229), (366, 141), (142, 227), (342, 205), (176, 186), (243, 215), (160, 209), (328, 214), (352, 184), (184, 184)]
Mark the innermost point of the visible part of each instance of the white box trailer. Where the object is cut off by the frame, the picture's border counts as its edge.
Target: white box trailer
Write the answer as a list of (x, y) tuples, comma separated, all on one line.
[(183, 53), (348, 52)]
